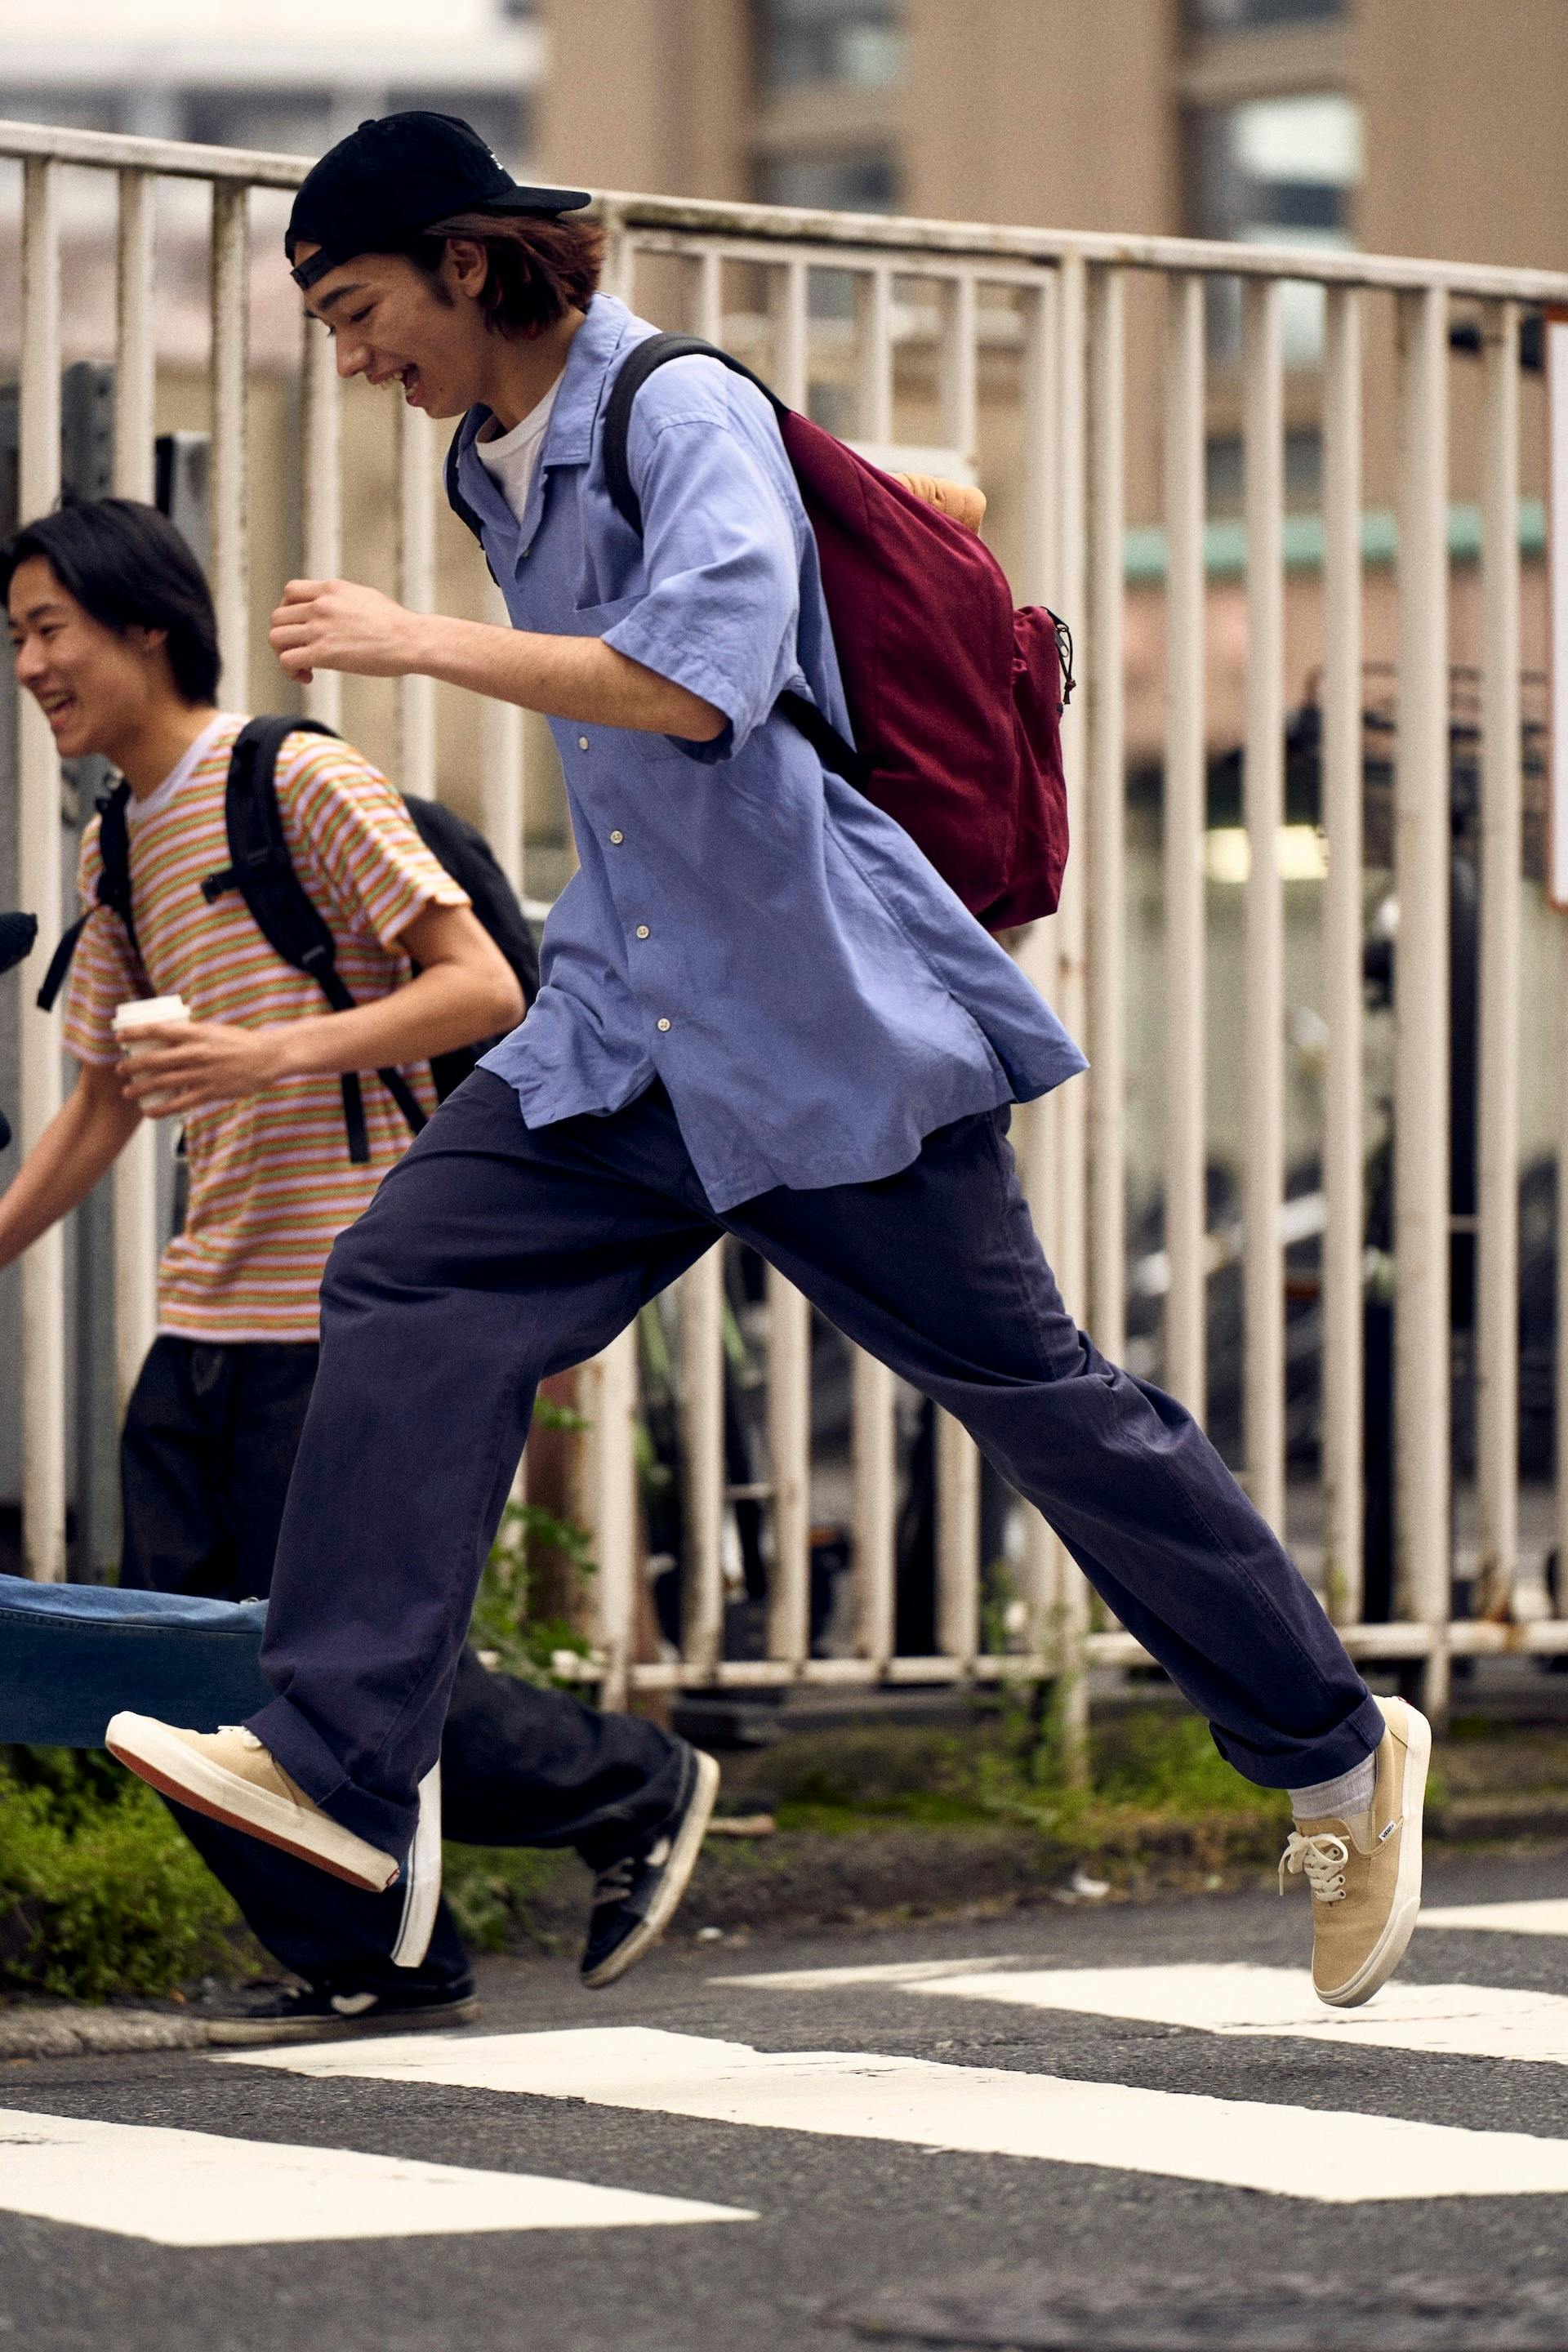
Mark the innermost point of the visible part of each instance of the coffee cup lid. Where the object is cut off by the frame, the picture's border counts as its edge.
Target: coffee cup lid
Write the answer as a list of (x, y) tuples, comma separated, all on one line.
[(142, 1012)]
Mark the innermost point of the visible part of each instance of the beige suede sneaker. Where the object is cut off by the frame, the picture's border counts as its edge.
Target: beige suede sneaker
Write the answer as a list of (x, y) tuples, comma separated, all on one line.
[(229, 1776), (1366, 1871)]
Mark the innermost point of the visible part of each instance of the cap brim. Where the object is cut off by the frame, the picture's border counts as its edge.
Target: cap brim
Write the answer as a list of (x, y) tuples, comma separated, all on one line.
[(535, 200)]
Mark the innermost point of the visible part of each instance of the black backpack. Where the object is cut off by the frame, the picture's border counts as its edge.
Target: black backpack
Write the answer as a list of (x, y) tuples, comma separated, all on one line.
[(262, 871)]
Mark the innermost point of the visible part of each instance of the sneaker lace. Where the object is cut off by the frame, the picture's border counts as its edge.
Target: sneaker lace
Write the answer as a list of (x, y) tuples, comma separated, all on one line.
[(616, 1880), (1321, 1858)]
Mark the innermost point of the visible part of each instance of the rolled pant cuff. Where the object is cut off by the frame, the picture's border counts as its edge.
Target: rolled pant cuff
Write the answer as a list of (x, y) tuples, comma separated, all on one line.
[(1350, 1744), (307, 1759)]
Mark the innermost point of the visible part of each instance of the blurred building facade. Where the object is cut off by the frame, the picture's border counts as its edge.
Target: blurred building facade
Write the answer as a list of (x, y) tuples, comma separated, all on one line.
[(1403, 126), (289, 77)]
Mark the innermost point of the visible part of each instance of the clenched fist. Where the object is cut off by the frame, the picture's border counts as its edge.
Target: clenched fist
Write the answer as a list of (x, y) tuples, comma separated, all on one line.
[(338, 624)]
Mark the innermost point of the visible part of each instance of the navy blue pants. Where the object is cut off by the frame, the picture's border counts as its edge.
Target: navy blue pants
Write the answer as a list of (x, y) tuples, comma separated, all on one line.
[(495, 1254)]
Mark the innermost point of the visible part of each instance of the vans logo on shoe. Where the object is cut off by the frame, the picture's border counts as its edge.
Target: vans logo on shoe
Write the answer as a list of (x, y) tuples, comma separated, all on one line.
[(353, 2005), (1388, 1833)]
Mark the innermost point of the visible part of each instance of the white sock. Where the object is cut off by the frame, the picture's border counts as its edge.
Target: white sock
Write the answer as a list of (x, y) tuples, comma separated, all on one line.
[(1333, 1799)]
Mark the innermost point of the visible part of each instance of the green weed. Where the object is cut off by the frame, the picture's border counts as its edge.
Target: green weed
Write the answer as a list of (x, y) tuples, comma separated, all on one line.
[(100, 1894)]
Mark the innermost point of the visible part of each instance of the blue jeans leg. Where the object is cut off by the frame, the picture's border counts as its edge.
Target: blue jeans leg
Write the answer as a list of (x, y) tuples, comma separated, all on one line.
[(73, 1654)]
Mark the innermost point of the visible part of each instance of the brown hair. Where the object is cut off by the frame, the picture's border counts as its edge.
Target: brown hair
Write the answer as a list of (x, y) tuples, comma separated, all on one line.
[(539, 266)]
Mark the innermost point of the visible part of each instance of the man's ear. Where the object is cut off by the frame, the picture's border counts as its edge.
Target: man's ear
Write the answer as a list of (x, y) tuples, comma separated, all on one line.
[(465, 265), (150, 641)]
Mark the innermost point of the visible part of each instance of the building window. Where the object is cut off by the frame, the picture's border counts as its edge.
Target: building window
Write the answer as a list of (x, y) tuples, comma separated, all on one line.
[(1277, 171), (854, 181), (855, 41), (1240, 15), (1225, 475)]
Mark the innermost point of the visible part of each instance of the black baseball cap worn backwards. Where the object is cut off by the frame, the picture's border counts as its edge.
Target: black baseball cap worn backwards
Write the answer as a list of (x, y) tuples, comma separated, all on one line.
[(393, 179)]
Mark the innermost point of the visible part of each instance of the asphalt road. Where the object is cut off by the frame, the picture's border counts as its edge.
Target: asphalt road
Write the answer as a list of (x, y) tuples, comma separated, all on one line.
[(982, 2191)]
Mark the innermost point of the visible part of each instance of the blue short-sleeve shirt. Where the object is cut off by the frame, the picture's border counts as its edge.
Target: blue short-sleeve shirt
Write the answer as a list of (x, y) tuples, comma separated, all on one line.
[(742, 926)]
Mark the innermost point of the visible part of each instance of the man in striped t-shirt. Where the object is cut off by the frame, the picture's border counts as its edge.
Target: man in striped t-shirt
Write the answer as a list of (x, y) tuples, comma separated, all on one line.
[(116, 639)]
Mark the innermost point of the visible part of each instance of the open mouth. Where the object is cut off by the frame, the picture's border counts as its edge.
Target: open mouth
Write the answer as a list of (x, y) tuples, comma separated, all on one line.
[(408, 378), (56, 708)]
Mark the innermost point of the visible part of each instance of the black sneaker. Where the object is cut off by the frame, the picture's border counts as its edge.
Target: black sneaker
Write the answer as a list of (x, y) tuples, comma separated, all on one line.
[(315, 2013), (635, 1900)]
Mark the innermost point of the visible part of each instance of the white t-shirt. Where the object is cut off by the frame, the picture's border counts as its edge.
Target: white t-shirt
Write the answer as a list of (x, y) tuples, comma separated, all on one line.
[(512, 457)]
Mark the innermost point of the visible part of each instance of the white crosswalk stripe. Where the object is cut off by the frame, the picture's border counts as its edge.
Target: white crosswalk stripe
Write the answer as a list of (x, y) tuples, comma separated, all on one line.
[(196, 2189), (1236, 1998), (882, 1972), (857, 2094), (1547, 1917)]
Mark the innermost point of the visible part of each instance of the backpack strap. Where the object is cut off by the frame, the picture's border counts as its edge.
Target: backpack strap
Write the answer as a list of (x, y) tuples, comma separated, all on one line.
[(656, 352), (465, 513), (263, 872), (113, 891)]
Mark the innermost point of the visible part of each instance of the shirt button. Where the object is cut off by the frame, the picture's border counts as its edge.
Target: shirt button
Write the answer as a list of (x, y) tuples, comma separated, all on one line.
[(642, 931), (664, 1024), (617, 838), (582, 742)]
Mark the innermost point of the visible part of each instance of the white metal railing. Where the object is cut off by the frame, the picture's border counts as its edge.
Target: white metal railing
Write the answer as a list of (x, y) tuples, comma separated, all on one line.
[(1025, 341)]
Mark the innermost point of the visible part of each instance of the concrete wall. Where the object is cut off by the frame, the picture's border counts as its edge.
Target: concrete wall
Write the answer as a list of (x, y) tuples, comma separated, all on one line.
[(647, 94)]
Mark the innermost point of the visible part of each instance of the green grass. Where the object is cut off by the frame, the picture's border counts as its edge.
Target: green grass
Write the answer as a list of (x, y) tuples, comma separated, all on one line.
[(100, 1894), (494, 1892), (1145, 1767)]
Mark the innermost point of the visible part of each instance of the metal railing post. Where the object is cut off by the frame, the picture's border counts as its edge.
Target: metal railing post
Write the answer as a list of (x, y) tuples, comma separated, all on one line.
[(794, 329), (789, 1468), (227, 485), (416, 590), (1421, 1340), (607, 1394), (42, 888), (1343, 1177), (1046, 1565), (959, 402), (1264, 774), (321, 535), (874, 309), (503, 799), (701, 1361), (957, 1542), (136, 1169), (1496, 1289), (1069, 1105), (875, 1504), (1185, 818), (1105, 714)]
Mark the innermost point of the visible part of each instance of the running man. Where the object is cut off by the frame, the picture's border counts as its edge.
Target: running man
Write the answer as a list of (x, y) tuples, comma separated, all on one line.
[(764, 1013)]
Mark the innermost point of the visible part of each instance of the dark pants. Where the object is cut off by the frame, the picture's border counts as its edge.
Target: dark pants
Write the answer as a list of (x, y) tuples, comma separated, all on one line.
[(210, 1438), (494, 1254)]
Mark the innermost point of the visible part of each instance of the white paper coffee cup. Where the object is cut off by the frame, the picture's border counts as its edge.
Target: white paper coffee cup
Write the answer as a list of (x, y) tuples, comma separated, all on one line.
[(147, 1012)]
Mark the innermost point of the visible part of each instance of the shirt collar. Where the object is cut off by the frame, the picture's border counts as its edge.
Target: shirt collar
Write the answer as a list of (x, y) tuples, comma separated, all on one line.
[(593, 349)]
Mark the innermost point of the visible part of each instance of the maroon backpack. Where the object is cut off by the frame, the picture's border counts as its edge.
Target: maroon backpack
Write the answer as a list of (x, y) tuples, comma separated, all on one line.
[(955, 698)]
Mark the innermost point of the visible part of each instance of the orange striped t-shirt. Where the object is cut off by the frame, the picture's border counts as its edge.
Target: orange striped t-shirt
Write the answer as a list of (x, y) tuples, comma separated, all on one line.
[(271, 1183)]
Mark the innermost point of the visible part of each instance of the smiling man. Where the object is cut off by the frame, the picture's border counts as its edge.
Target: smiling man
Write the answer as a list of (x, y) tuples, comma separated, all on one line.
[(764, 1013)]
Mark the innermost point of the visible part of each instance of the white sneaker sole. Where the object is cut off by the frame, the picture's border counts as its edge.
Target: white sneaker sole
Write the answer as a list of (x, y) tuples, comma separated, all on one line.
[(155, 1753), (677, 1877), (1405, 1908)]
